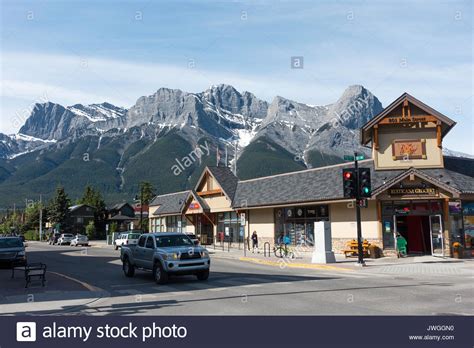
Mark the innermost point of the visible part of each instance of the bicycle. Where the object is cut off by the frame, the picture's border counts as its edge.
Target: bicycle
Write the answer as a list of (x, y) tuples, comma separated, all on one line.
[(282, 250)]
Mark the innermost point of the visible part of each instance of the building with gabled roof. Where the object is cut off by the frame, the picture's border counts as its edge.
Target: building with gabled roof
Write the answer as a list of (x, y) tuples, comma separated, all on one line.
[(416, 192)]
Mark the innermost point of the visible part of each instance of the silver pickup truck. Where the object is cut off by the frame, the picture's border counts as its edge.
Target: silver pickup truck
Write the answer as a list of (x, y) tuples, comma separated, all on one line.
[(166, 253)]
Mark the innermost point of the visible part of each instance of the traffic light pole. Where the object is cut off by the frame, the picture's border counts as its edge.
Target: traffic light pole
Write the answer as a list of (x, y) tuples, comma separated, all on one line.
[(360, 250)]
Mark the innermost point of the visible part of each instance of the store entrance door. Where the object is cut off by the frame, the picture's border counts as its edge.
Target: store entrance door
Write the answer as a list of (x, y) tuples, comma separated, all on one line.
[(416, 230), (205, 230), (436, 231)]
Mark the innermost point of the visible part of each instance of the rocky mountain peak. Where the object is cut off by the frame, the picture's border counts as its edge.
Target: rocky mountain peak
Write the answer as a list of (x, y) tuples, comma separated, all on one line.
[(354, 108), (226, 97)]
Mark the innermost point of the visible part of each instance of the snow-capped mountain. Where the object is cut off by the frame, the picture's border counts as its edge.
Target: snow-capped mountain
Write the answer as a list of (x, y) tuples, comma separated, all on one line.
[(122, 147), (50, 121), (221, 112)]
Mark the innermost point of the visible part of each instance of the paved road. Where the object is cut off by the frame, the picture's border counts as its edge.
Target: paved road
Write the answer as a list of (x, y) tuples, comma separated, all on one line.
[(242, 288)]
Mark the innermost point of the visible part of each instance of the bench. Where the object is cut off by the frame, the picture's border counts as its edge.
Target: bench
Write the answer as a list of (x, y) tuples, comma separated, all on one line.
[(32, 271), (352, 248)]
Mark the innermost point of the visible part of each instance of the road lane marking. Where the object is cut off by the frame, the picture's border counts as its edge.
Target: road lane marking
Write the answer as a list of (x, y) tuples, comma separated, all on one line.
[(84, 284), (128, 285)]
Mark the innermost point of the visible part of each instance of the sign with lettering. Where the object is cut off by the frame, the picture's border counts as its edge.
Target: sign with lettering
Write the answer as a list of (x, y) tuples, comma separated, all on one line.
[(409, 149), (427, 191), (193, 206), (401, 119)]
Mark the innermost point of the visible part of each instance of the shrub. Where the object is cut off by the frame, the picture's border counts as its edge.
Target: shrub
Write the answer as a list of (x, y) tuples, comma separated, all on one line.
[(31, 235), (90, 230)]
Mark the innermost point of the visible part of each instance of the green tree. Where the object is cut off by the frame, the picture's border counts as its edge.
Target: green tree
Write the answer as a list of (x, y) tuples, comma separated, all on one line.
[(90, 230), (58, 208), (145, 195), (113, 227), (11, 224), (94, 198), (32, 215), (146, 192)]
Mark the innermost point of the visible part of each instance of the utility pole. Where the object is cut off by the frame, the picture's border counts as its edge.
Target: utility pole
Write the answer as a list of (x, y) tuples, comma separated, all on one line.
[(360, 249), (141, 208)]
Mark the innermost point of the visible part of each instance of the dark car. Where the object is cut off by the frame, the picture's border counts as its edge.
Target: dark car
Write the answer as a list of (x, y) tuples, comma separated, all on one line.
[(12, 251)]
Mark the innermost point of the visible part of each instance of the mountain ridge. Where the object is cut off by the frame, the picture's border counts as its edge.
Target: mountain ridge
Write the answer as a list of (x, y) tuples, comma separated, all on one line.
[(125, 146)]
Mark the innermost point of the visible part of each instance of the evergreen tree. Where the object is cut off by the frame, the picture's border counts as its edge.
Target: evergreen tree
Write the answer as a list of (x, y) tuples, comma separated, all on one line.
[(94, 198), (147, 192), (58, 208), (145, 196), (32, 214)]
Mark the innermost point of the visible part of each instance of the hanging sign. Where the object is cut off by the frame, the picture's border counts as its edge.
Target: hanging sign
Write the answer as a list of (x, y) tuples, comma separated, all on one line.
[(194, 206), (242, 218), (409, 149)]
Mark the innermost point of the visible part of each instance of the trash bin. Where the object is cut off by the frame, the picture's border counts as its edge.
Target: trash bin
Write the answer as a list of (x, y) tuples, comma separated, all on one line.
[(374, 251)]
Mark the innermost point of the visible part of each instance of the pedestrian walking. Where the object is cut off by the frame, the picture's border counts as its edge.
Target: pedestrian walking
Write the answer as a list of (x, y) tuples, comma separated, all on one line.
[(255, 242)]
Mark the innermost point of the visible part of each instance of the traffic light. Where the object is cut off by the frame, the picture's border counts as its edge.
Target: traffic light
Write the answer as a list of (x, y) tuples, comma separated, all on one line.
[(349, 183), (365, 189)]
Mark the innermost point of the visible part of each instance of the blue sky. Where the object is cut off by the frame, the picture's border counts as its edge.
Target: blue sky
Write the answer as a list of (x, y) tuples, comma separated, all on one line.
[(93, 51)]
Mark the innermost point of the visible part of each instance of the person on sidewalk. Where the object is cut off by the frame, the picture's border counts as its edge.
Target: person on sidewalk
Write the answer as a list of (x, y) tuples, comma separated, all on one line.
[(255, 242), (401, 246)]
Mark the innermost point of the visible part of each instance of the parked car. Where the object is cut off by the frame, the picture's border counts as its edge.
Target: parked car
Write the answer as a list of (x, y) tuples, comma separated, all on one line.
[(193, 237), (12, 251), (65, 238), (166, 253), (53, 239), (80, 239), (127, 238)]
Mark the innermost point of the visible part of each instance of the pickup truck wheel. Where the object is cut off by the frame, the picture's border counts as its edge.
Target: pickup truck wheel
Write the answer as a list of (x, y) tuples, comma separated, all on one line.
[(203, 275), (128, 268), (160, 275)]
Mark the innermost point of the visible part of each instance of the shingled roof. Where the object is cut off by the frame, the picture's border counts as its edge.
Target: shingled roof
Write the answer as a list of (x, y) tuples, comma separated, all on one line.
[(325, 183), (226, 179), (171, 203)]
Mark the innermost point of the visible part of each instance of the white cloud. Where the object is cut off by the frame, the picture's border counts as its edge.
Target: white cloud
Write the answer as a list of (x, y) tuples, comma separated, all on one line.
[(66, 79)]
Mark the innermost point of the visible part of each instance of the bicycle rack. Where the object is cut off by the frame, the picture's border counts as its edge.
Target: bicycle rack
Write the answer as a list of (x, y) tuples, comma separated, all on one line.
[(265, 249)]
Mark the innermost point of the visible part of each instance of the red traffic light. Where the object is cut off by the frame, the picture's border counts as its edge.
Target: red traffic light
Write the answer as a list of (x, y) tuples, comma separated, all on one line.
[(347, 175)]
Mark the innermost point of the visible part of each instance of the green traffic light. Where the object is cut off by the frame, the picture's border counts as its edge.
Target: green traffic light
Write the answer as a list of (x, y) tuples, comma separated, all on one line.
[(365, 190)]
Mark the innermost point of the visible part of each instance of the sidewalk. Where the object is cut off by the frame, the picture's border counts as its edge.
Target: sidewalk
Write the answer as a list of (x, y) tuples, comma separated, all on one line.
[(60, 293), (99, 244), (384, 264)]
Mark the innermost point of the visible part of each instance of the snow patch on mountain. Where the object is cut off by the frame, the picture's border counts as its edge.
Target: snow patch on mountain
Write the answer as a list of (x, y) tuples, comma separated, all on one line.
[(25, 137)]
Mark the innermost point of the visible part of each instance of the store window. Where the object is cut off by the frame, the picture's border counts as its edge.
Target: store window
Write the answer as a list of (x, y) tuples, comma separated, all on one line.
[(175, 223), (468, 222), (228, 227), (456, 222), (298, 223)]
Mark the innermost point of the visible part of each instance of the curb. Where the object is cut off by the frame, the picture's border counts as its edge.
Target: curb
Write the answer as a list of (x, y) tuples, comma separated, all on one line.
[(282, 263), (101, 246)]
